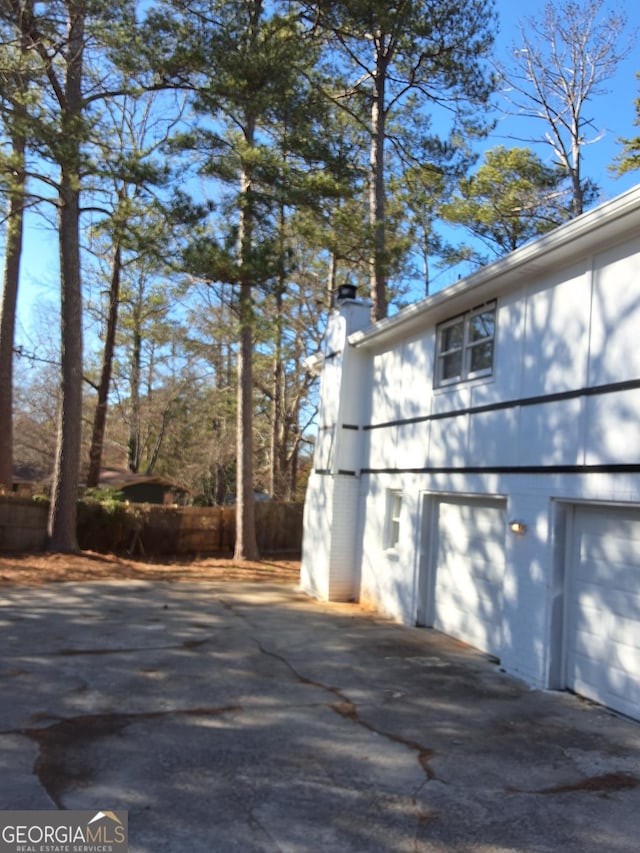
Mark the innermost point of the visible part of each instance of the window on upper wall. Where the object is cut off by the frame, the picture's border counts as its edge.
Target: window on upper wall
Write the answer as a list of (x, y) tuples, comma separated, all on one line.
[(464, 348), (394, 507)]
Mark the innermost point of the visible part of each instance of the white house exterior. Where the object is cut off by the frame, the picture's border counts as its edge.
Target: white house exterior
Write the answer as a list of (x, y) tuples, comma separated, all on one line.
[(511, 396)]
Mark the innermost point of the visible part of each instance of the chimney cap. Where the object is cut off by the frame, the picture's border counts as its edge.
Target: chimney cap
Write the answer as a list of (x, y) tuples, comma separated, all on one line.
[(346, 291)]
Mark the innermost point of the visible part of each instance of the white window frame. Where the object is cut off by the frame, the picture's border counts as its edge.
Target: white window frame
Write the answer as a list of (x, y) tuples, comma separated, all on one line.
[(465, 348), (394, 510)]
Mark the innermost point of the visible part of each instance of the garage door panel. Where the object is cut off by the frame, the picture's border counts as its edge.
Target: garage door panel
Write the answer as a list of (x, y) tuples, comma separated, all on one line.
[(621, 692), (470, 523), (462, 569), (618, 602), (625, 658), (623, 605), (487, 554), (469, 571), (625, 579), (603, 607), (609, 574), (588, 638), (484, 603), (466, 627), (610, 638), (627, 634), (622, 545)]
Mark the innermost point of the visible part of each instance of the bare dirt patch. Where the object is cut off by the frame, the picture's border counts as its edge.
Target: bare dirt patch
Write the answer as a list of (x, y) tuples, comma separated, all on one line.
[(38, 569)]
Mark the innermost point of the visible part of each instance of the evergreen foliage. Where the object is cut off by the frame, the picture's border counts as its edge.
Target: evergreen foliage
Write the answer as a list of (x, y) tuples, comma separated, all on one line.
[(629, 159), (512, 198), (215, 170)]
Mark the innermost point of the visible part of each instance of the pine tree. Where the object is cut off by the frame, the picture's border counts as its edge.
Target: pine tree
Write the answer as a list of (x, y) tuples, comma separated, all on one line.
[(629, 159), (17, 92), (510, 199), (430, 54), (246, 64)]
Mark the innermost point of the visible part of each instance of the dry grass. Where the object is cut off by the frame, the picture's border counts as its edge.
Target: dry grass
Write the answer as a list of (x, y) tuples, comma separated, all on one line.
[(38, 569)]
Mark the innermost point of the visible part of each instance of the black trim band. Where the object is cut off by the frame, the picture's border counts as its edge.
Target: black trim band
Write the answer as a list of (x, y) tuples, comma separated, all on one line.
[(513, 469), (594, 391)]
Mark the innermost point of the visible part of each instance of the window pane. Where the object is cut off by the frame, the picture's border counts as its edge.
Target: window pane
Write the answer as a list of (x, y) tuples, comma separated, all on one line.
[(481, 357), (482, 326), (451, 365), (394, 507), (465, 346), (451, 337)]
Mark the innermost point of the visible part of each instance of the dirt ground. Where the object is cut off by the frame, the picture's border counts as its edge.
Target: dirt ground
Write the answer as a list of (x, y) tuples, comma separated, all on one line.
[(38, 569)]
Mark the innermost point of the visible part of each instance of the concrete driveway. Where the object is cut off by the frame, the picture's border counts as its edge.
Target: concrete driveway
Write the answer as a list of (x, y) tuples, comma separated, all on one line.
[(237, 717)]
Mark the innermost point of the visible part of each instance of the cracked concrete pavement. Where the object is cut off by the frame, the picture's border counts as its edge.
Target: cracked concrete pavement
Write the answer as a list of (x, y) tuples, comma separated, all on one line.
[(246, 717)]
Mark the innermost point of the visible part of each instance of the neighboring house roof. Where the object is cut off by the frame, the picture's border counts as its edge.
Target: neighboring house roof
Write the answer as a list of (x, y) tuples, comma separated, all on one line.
[(601, 227), (29, 474), (116, 478), (122, 479)]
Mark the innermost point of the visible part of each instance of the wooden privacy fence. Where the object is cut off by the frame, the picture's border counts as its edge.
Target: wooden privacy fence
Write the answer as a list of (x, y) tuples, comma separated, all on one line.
[(23, 524), (146, 529), (212, 530)]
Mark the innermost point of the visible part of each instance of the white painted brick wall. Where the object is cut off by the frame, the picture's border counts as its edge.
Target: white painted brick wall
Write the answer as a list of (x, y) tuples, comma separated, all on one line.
[(557, 331)]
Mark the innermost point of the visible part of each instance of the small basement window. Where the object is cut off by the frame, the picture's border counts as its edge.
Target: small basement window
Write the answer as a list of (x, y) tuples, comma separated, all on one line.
[(394, 507), (464, 348)]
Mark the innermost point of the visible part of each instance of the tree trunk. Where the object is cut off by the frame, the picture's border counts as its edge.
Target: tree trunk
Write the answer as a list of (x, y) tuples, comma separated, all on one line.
[(246, 547), (134, 448), (63, 510), (377, 263), (220, 490), (425, 258), (278, 450), (577, 202), (277, 430), (11, 272), (331, 279), (100, 417), (11, 276), (155, 453)]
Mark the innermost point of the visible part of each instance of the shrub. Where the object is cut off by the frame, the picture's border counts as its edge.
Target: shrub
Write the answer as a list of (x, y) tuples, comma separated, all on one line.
[(106, 522)]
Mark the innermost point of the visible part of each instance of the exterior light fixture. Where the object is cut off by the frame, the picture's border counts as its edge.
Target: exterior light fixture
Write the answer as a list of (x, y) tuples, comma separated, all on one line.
[(518, 527), (346, 291)]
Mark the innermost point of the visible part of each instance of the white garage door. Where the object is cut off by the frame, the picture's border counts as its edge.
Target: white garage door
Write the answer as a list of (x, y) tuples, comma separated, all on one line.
[(469, 571), (603, 624)]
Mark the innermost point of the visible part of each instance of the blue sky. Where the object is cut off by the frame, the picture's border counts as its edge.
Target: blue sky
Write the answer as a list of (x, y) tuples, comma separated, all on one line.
[(614, 114)]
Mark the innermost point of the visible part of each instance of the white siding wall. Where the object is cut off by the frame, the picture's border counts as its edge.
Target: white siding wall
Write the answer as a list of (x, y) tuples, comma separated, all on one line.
[(553, 336), (556, 334), (329, 568), (561, 332), (614, 352), (565, 334), (389, 575), (316, 542)]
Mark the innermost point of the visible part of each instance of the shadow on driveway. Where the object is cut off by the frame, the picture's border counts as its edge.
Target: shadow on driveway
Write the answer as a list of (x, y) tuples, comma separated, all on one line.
[(246, 717)]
